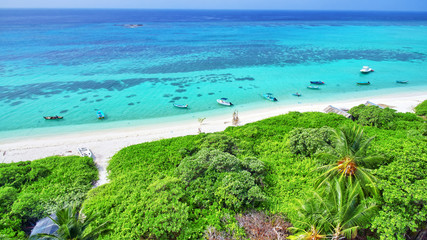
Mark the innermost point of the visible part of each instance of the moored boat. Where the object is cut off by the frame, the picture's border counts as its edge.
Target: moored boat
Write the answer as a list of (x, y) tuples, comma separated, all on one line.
[(401, 81), (317, 82), (53, 117), (85, 152), (366, 69), (100, 114), (269, 96), (363, 83), (313, 87), (180, 105), (224, 101), (297, 94)]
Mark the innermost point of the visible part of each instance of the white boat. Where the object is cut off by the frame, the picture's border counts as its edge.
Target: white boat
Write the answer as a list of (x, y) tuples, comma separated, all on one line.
[(366, 69), (85, 152), (224, 101)]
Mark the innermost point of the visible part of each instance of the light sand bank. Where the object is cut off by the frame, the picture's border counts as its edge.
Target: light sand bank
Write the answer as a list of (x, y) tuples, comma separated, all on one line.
[(105, 143)]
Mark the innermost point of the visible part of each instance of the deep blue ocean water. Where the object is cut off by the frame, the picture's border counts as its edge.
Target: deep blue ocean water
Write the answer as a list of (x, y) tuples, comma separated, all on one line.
[(73, 62)]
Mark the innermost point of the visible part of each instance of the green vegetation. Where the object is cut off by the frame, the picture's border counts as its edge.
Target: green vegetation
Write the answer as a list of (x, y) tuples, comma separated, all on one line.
[(254, 178), (32, 190), (421, 109), (73, 225)]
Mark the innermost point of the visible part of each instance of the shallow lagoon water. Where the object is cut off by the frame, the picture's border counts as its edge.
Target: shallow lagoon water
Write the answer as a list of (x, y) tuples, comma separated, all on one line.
[(73, 62)]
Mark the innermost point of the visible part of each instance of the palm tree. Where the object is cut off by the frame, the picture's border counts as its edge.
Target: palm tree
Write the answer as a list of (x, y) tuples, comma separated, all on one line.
[(350, 159), (339, 210), (73, 225)]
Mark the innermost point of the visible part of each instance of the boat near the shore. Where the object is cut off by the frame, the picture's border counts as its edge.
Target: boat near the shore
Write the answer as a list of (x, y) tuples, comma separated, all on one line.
[(366, 69), (180, 105), (313, 87), (53, 117), (363, 83), (317, 82), (401, 81), (224, 101), (270, 97), (297, 94), (100, 114), (85, 152)]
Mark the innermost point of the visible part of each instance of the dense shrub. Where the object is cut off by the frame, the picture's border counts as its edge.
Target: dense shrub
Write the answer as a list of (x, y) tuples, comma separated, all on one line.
[(421, 109), (309, 141), (213, 176), (372, 115), (32, 190), (218, 141)]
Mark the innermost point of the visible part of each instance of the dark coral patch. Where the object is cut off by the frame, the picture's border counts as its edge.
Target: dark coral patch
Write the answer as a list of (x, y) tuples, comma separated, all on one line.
[(95, 95), (67, 96), (131, 96), (63, 111), (176, 98), (130, 104), (211, 93), (75, 106), (167, 95), (99, 100), (199, 95), (107, 96), (16, 103), (180, 90), (185, 97), (83, 99)]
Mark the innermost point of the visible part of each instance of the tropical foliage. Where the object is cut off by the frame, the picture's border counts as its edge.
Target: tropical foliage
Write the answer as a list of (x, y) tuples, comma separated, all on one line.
[(32, 190), (72, 225), (421, 109), (372, 115), (203, 185), (349, 160)]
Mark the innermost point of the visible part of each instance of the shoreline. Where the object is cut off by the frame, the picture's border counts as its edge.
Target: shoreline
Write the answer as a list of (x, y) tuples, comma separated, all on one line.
[(106, 143)]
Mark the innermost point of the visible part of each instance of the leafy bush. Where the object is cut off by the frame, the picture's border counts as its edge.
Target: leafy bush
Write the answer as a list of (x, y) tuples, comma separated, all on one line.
[(309, 141), (32, 190), (372, 115), (421, 109), (215, 176), (218, 141)]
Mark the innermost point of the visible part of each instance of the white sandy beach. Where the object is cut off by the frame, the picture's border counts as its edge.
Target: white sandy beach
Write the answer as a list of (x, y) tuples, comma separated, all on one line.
[(105, 143)]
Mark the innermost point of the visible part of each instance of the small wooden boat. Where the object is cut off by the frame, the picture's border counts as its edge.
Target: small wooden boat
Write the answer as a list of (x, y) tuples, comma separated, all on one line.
[(85, 152), (224, 101), (100, 114), (363, 83), (180, 105), (313, 87), (53, 117), (269, 96), (317, 82), (366, 69), (401, 81), (297, 94)]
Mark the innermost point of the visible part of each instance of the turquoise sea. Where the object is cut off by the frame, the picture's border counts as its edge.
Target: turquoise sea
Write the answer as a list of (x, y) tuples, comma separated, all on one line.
[(73, 62)]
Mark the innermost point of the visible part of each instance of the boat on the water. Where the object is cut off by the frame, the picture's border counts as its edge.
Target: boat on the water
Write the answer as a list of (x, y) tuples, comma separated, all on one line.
[(317, 82), (313, 87), (363, 83), (100, 114), (269, 96), (366, 69), (53, 117), (401, 81), (180, 105), (224, 101), (297, 94), (85, 152)]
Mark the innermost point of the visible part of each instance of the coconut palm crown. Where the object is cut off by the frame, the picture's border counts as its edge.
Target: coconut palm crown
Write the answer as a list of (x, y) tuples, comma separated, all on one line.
[(73, 226), (349, 159), (339, 210)]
